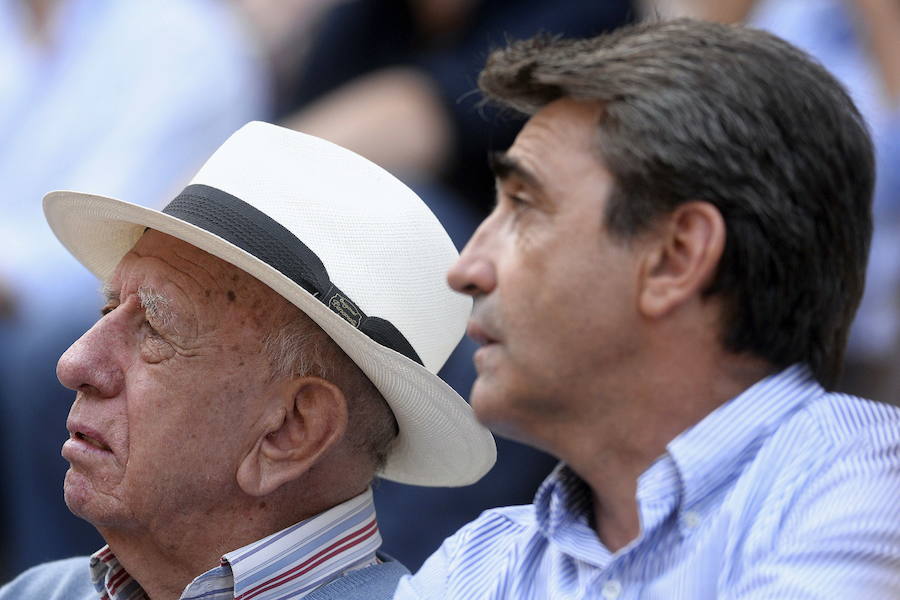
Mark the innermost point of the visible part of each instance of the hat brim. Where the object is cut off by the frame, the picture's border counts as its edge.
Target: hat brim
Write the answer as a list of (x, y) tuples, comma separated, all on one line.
[(440, 443)]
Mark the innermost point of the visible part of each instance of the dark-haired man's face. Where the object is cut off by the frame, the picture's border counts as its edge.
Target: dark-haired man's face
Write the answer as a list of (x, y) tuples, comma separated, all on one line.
[(554, 294)]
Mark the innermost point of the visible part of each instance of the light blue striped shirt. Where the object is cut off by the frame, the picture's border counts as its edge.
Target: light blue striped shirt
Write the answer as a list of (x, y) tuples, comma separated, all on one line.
[(784, 492), (285, 565)]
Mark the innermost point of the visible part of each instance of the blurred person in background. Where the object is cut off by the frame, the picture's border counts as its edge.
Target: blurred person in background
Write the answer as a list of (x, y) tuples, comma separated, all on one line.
[(858, 41), (122, 98), (396, 82)]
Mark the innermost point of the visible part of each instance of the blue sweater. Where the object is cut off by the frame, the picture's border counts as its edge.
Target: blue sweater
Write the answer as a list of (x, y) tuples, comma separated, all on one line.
[(70, 580)]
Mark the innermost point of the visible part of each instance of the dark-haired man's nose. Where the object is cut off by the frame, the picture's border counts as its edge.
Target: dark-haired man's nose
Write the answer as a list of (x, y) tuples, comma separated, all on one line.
[(90, 365), (474, 272)]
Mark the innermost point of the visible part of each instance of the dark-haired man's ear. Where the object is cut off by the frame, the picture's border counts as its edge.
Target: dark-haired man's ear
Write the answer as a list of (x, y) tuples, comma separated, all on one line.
[(314, 421), (682, 258)]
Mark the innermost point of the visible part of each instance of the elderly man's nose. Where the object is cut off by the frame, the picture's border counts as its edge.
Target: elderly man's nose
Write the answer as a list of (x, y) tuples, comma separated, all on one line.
[(89, 366)]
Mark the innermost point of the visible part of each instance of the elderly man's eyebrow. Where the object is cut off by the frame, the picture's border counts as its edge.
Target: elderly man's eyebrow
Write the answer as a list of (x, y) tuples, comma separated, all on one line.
[(505, 166), (156, 305), (109, 292)]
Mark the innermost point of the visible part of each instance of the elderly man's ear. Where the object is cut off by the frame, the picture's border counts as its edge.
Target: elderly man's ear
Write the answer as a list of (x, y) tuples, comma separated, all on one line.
[(313, 419), (682, 258)]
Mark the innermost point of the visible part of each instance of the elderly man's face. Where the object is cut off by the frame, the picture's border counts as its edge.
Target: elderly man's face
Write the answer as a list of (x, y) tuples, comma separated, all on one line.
[(171, 384), (554, 294)]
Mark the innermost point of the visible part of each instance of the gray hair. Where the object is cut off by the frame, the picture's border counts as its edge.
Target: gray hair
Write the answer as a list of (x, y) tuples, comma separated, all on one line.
[(296, 345)]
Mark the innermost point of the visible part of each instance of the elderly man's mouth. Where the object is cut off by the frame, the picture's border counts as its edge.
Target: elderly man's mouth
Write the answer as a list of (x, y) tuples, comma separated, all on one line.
[(92, 441)]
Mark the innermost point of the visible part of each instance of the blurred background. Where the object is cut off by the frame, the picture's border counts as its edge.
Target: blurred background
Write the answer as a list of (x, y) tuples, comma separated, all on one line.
[(127, 98)]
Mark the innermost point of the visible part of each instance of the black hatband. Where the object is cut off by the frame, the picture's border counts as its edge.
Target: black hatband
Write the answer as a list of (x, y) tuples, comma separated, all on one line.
[(255, 232)]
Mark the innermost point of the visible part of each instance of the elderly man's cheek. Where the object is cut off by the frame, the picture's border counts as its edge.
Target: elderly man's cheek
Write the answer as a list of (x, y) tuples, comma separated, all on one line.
[(155, 349)]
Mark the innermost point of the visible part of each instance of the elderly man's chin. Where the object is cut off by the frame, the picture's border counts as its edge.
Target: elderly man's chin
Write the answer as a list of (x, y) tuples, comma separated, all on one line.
[(86, 502)]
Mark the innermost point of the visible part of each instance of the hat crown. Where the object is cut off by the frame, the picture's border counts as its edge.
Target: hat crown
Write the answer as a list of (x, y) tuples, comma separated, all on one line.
[(379, 242)]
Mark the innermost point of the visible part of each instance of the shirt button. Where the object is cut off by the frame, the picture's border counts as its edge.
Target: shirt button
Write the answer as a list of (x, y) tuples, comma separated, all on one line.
[(611, 589), (691, 519)]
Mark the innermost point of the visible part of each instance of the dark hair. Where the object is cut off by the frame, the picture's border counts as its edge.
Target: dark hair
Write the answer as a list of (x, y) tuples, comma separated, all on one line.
[(747, 122)]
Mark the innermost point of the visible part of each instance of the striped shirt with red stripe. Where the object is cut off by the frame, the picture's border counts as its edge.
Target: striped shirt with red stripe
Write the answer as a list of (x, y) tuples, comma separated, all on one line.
[(287, 564)]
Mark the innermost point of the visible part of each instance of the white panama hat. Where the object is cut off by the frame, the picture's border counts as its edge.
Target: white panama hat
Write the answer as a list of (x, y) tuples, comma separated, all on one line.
[(344, 241)]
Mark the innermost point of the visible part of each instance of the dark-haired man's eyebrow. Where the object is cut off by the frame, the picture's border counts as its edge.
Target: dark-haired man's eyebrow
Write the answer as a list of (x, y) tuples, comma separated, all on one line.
[(504, 166)]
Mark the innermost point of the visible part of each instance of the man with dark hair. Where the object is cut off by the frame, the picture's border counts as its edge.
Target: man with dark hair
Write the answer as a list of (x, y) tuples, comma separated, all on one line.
[(663, 293)]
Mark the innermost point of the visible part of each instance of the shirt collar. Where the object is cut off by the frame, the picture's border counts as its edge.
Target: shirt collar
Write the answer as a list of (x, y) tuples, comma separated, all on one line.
[(697, 461), (292, 561), (110, 578), (712, 452), (562, 511), (562, 498)]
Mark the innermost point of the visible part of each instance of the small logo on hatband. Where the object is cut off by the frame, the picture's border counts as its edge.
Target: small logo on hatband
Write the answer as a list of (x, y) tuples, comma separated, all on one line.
[(345, 308)]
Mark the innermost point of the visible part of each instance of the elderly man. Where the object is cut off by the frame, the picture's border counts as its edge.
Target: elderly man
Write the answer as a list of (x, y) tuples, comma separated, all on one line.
[(663, 293), (268, 344)]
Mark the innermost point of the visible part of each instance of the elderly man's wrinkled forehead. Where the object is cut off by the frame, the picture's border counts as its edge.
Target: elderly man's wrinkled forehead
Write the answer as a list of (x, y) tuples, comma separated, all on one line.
[(182, 284)]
